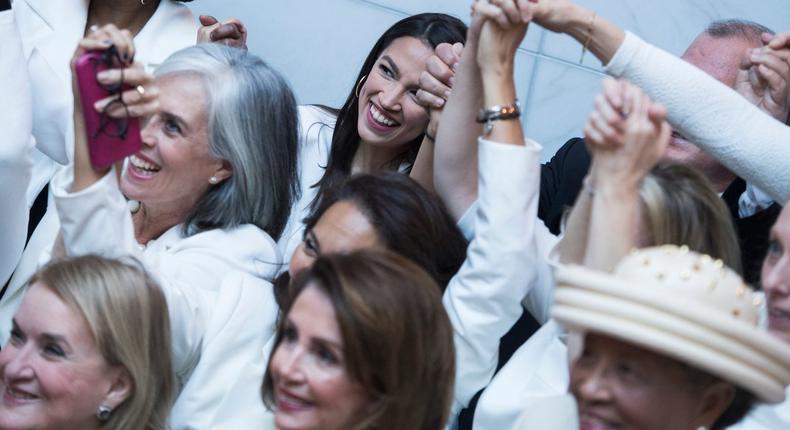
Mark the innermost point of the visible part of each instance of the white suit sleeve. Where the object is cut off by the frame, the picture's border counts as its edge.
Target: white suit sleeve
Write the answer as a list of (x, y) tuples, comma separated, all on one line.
[(96, 220), (748, 141), (16, 127), (483, 300)]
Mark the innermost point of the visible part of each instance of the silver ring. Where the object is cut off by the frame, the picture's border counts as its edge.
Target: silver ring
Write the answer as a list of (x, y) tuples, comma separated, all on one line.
[(93, 28), (140, 90)]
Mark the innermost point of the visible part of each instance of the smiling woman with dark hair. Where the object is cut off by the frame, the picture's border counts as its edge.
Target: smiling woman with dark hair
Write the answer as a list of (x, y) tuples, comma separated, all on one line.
[(381, 125)]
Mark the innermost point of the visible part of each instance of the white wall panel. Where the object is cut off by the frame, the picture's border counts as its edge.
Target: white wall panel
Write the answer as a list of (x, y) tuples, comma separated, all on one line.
[(319, 46)]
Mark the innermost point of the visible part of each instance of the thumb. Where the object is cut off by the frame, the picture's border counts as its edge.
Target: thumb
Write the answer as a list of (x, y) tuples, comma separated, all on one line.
[(458, 48), (207, 20)]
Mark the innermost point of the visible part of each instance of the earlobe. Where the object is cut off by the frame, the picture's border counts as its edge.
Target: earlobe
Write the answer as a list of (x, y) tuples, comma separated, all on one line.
[(224, 172), (120, 389)]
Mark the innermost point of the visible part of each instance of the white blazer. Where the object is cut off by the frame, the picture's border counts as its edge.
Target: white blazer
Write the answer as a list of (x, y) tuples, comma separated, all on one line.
[(235, 353), (15, 146), (316, 127), (218, 291), (505, 261), (50, 32)]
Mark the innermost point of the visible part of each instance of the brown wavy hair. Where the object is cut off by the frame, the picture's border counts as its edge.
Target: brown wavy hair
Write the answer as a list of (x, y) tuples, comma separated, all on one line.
[(397, 338)]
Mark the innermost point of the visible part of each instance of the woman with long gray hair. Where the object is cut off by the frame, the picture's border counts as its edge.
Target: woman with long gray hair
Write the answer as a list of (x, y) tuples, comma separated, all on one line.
[(208, 194)]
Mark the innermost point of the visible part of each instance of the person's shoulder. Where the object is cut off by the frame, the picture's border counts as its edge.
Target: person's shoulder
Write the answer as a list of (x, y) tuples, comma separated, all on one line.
[(317, 114), (240, 239), (245, 244)]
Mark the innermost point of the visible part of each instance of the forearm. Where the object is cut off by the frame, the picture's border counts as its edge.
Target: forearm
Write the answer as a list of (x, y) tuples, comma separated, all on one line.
[(455, 151), (499, 88), (84, 173), (717, 119), (614, 218), (573, 244), (590, 29), (422, 171), (94, 220)]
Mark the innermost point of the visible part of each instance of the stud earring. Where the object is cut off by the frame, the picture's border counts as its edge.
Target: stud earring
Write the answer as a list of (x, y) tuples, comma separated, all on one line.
[(213, 180), (103, 413), (359, 85)]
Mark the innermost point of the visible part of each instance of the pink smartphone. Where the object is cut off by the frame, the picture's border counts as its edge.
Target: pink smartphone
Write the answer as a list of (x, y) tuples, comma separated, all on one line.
[(109, 139)]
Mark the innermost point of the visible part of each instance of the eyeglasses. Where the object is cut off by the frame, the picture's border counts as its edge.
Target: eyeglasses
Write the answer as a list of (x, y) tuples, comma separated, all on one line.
[(109, 126)]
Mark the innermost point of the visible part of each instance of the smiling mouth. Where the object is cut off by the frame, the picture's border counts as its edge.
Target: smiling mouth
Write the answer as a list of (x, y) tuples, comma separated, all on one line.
[(18, 395), (775, 313), (288, 402), (380, 119), (143, 167), (590, 422)]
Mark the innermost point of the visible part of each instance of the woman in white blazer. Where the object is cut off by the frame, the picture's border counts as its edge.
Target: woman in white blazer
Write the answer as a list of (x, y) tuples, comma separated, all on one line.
[(48, 33), (211, 191), (51, 29), (15, 166)]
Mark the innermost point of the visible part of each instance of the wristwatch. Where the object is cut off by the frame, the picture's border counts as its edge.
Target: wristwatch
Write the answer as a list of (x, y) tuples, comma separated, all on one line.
[(498, 112)]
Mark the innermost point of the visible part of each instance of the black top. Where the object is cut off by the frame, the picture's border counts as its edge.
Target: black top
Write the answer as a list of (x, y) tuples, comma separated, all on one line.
[(5, 5), (560, 182)]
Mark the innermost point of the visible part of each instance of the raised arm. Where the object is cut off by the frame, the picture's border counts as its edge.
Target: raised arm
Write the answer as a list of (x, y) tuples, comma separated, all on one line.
[(138, 101), (455, 148), (746, 140), (503, 260), (626, 143)]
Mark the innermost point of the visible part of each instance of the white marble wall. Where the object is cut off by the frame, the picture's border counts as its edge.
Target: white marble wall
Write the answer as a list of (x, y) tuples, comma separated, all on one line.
[(320, 44)]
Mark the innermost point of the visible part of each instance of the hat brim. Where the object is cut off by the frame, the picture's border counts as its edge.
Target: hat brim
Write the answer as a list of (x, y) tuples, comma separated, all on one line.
[(725, 347)]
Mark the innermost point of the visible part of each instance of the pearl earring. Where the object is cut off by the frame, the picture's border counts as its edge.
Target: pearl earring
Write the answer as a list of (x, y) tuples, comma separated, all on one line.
[(213, 180), (103, 413)]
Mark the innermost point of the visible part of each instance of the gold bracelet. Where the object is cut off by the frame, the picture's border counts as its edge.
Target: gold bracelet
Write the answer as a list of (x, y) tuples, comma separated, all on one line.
[(589, 36)]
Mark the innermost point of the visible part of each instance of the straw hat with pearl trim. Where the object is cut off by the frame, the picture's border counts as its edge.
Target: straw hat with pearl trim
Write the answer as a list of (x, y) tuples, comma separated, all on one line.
[(683, 305)]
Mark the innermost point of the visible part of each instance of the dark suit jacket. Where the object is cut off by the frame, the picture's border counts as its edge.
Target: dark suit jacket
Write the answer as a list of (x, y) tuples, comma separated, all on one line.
[(561, 181)]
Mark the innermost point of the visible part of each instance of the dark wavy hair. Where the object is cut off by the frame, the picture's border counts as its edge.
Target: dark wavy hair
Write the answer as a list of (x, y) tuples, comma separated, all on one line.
[(431, 28), (409, 221)]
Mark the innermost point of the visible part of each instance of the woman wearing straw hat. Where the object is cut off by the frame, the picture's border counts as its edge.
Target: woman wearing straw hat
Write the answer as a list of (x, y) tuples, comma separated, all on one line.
[(668, 340)]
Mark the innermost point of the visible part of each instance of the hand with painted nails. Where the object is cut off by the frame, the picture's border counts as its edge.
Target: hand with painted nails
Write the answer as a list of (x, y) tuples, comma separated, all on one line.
[(626, 133), (230, 32), (139, 94), (142, 99), (436, 81), (764, 76)]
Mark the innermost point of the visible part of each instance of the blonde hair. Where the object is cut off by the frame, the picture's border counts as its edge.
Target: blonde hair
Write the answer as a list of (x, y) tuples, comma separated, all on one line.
[(680, 207), (127, 314)]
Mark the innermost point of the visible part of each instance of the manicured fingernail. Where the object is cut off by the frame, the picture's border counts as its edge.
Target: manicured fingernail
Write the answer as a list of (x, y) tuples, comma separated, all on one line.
[(99, 105), (452, 80), (438, 103), (103, 75), (447, 94)]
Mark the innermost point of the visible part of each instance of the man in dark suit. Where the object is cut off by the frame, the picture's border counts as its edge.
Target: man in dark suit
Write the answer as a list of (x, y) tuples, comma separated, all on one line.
[(718, 51)]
